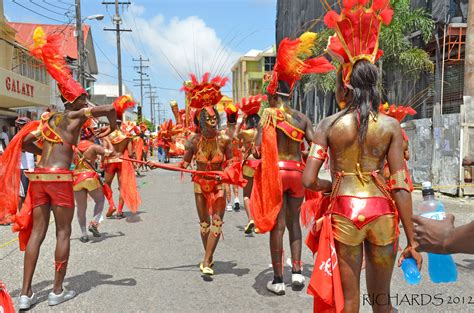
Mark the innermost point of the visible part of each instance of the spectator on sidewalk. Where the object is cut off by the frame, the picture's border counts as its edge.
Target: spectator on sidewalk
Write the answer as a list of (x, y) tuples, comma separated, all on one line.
[(4, 139)]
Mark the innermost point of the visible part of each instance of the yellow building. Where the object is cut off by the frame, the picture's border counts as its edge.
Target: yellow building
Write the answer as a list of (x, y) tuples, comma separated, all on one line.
[(248, 72), (25, 84)]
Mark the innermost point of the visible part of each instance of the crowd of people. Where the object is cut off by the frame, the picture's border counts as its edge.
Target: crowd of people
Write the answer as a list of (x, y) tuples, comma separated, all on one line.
[(352, 217)]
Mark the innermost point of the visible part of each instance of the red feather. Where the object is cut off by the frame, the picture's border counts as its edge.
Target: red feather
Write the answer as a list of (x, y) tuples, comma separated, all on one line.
[(317, 66), (205, 77), (380, 4), (194, 79), (386, 16), (349, 4), (331, 19), (363, 2)]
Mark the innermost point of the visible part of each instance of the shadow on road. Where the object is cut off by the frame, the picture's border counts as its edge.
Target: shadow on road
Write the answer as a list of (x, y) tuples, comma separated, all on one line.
[(80, 283), (105, 236), (469, 264), (266, 275), (242, 229), (220, 268)]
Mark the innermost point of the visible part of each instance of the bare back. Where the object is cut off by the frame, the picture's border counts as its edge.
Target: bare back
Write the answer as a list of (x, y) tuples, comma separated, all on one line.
[(348, 155)]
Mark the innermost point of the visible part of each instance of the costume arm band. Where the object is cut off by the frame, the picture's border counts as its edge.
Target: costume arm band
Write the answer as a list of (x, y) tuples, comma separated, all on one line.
[(318, 152), (399, 180)]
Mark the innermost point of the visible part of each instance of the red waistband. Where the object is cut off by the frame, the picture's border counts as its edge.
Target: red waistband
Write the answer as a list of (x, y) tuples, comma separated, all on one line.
[(361, 211), (291, 165), (252, 163)]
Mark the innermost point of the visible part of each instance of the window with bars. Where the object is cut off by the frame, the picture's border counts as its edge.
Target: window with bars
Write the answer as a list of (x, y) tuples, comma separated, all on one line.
[(269, 63)]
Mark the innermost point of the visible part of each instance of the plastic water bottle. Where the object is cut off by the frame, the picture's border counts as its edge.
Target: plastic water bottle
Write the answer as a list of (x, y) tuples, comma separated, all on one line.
[(441, 267), (410, 271)]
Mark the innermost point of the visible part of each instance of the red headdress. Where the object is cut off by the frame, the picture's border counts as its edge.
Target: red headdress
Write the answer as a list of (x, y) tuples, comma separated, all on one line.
[(252, 105), (204, 94), (47, 50), (230, 110), (357, 32), (143, 127), (122, 103), (397, 112), (292, 61)]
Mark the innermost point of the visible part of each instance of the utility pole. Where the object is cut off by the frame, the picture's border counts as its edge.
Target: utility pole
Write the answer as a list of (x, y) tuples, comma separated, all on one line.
[(117, 20), (151, 96), (469, 53), (80, 44), (140, 72)]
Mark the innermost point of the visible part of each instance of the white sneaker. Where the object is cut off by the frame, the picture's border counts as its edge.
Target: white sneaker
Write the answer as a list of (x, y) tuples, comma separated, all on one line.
[(54, 299), (297, 280), (25, 302), (278, 289), (229, 207)]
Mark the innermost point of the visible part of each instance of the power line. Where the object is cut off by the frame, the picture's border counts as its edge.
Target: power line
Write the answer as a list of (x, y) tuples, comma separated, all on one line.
[(38, 13), (46, 9)]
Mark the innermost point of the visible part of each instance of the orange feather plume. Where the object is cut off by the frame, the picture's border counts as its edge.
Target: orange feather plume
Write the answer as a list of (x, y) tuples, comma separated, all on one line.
[(122, 103)]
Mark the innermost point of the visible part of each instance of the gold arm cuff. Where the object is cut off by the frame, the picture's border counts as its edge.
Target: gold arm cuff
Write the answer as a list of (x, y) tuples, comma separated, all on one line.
[(318, 152), (88, 113), (399, 180), (37, 133)]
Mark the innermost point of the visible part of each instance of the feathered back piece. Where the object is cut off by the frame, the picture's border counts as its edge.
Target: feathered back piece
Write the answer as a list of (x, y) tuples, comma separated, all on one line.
[(204, 94), (397, 112), (252, 105), (293, 61), (357, 32), (47, 50), (122, 103)]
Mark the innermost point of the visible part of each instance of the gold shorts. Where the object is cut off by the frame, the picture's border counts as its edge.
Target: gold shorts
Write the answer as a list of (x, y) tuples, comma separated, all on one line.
[(380, 232), (248, 171), (88, 184), (197, 188)]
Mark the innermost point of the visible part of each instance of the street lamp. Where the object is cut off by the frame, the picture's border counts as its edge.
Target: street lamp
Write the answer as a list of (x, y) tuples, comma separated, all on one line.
[(98, 17)]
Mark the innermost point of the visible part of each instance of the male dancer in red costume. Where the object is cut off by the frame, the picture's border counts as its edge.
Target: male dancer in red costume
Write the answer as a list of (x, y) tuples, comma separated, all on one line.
[(276, 202), (361, 216), (50, 186), (121, 145)]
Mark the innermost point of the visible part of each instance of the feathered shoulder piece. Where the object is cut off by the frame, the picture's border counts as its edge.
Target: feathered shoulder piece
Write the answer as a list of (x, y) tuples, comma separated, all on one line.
[(47, 50), (357, 32), (251, 105), (206, 93), (123, 103), (293, 60), (397, 112)]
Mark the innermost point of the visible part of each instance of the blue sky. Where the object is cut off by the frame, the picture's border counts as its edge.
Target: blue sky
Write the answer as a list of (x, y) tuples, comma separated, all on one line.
[(192, 35)]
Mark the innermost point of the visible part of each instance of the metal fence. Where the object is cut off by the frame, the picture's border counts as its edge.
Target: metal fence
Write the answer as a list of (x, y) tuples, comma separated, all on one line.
[(435, 150)]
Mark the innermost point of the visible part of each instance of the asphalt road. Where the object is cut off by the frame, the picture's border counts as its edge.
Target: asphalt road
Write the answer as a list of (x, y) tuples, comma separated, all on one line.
[(149, 263)]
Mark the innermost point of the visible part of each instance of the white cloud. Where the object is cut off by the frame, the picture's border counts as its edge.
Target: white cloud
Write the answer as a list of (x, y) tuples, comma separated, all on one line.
[(188, 45)]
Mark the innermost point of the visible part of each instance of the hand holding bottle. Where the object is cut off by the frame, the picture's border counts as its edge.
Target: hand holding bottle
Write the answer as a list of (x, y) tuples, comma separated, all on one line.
[(431, 235)]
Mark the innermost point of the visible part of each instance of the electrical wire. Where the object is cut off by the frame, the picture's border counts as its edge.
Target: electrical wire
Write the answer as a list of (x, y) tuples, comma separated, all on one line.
[(38, 13)]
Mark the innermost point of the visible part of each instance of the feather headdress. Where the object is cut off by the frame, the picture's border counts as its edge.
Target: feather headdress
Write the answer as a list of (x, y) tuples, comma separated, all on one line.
[(204, 94), (397, 112), (357, 32), (47, 50), (292, 61), (251, 105)]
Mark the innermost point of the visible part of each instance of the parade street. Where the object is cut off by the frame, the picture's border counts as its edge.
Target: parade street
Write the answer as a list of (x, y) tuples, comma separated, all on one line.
[(149, 263)]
